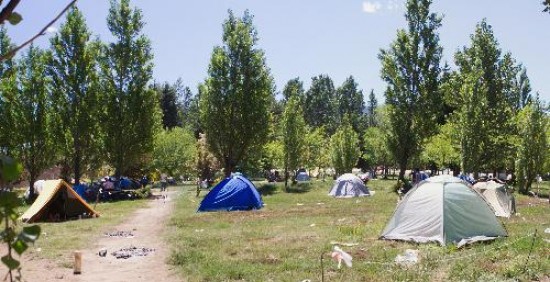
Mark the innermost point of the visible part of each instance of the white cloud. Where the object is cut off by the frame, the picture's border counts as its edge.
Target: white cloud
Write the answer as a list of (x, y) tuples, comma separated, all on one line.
[(371, 7), (51, 29)]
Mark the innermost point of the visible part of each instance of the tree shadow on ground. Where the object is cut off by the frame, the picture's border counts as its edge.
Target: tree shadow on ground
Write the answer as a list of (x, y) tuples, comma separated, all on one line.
[(267, 189), (300, 187)]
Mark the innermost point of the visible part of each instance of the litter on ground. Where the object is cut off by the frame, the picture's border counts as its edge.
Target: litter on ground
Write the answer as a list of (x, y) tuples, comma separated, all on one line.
[(409, 258)]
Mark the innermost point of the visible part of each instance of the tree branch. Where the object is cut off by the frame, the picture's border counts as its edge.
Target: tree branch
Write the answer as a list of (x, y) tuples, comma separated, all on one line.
[(6, 12), (12, 52)]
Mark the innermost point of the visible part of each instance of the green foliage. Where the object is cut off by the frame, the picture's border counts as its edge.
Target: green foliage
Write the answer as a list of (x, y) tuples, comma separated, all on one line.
[(273, 154), (411, 68), (351, 104), (29, 108), (168, 105), (207, 163), (143, 192), (174, 152), (15, 240), (14, 18), (372, 105), (75, 95), (376, 149), (317, 148), (443, 149), (546, 4), (294, 88), (131, 107), (237, 95), (320, 104), (294, 129), (533, 147), (345, 148), (489, 95), (7, 83)]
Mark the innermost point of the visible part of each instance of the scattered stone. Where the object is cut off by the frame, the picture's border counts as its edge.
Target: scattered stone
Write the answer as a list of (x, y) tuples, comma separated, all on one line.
[(120, 234), (125, 253), (103, 252), (547, 230), (59, 276)]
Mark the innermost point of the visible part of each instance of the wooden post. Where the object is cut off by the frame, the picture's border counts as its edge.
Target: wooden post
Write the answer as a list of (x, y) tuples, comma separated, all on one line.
[(77, 262)]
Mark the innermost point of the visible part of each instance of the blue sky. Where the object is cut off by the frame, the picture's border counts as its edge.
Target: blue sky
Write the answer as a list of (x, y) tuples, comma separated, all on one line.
[(306, 38)]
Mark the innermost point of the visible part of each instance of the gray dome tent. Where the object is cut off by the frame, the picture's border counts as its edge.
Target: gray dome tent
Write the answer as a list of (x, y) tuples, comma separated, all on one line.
[(443, 209), (348, 185), (497, 195)]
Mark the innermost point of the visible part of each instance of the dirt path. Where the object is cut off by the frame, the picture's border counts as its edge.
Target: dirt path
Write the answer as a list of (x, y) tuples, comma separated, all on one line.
[(146, 225)]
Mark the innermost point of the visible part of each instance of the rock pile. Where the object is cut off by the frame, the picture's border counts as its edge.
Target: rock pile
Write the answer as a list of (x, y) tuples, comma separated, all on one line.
[(125, 253)]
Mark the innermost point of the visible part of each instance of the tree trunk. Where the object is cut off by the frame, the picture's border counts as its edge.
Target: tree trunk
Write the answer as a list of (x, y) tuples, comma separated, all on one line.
[(402, 168), (228, 167), (32, 179)]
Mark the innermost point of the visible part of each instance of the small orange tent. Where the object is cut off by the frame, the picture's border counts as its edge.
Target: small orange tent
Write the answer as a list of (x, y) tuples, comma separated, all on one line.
[(57, 201)]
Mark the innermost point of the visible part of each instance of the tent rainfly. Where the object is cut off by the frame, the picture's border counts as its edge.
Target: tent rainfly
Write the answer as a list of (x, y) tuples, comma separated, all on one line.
[(347, 186), (231, 194), (57, 201), (443, 209), (497, 195)]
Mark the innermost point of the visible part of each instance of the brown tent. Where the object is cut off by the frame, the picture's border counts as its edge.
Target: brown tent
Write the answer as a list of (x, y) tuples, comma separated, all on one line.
[(57, 201)]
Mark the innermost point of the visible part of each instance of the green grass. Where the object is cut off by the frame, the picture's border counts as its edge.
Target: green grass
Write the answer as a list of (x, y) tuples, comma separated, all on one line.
[(285, 240), (58, 240)]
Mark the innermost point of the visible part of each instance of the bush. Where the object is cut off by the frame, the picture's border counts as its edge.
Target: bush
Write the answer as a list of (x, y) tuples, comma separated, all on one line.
[(143, 193)]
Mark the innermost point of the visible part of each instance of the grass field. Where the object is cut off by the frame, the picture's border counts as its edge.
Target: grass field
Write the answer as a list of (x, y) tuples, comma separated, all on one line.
[(286, 240)]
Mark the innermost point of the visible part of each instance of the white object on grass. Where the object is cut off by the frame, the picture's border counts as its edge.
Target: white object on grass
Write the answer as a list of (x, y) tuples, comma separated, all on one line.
[(339, 255)]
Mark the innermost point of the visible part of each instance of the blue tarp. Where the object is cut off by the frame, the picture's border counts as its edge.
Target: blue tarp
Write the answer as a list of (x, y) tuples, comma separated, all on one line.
[(302, 176), (80, 189), (235, 193)]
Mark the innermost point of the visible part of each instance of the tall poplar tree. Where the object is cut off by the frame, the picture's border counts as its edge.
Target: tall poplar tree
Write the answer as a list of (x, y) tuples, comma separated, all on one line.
[(411, 68), (294, 87), (169, 105), (294, 131), (237, 95), (75, 96), (350, 103), (344, 146), (320, 108), (488, 98), (29, 108), (7, 81), (533, 147), (132, 114), (372, 105)]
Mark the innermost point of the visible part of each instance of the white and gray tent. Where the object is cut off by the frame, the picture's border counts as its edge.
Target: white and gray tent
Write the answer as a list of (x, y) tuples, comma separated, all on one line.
[(443, 209), (347, 186), (497, 195)]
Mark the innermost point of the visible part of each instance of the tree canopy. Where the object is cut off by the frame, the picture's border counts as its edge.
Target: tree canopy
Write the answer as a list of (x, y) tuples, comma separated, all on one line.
[(411, 68), (236, 96)]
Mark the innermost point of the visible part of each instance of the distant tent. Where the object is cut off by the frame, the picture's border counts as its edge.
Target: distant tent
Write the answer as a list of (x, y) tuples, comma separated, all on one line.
[(302, 176), (58, 201), (443, 209), (497, 195), (233, 193), (348, 185)]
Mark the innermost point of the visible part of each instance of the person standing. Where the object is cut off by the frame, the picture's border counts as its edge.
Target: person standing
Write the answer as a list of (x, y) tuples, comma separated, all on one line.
[(163, 182)]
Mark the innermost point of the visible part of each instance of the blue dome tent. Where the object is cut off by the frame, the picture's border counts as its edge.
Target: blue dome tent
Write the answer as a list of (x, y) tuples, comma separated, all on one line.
[(231, 194)]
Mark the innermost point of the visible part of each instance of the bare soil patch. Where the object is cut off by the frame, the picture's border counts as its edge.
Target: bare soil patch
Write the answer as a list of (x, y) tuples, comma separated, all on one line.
[(146, 227)]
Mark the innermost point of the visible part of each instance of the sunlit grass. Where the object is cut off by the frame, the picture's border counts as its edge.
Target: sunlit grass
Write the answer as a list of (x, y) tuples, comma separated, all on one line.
[(285, 240)]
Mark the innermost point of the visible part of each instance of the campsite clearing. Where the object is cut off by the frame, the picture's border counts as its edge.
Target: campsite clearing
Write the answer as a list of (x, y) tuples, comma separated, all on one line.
[(285, 240)]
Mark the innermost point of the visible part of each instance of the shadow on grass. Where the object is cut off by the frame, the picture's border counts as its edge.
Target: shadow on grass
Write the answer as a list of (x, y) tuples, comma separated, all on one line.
[(267, 189), (298, 188)]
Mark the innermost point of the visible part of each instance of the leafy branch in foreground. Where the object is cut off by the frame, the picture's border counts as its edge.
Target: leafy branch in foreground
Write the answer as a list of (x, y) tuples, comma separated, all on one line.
[(9, 202)]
